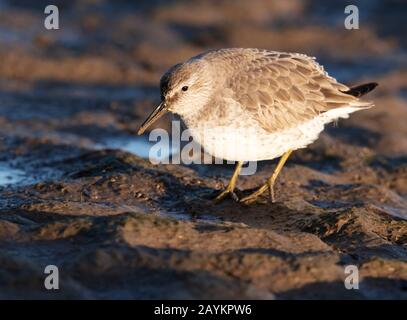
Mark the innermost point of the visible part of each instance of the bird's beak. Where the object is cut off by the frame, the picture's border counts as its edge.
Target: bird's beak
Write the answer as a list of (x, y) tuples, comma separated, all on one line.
[(153, 117)]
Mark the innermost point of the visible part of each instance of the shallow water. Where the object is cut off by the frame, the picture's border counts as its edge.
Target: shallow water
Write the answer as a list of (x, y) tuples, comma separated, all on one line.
[(10, 176), (139, 146)]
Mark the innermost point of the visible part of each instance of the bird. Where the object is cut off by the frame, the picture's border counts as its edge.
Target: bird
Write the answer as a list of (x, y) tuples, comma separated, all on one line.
[(248, 104)]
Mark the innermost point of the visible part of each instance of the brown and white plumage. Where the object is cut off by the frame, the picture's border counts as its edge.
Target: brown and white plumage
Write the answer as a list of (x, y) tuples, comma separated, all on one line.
[(280, 90), (251, 104)]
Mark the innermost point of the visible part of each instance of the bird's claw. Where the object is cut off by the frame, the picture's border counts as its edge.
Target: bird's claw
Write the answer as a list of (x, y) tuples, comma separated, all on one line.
[(225, 193), (255, 195), (249, 199)]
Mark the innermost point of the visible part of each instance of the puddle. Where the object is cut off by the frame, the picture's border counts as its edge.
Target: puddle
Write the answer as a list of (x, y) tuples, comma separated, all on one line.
[(10, 176), (141, 146)]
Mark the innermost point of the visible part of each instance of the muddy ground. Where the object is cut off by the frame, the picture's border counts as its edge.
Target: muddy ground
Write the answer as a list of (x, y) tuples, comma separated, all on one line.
[(77, 193)]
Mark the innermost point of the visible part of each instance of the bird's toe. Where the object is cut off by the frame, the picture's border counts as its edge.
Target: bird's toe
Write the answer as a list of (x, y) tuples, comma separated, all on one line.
[(224, 194)]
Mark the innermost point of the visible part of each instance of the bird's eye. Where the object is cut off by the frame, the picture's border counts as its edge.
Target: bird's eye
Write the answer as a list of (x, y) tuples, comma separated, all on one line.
[(184, 88)]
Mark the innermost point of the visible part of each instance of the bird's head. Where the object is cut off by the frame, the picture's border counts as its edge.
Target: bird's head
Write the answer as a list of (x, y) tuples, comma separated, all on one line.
[(185, 89)]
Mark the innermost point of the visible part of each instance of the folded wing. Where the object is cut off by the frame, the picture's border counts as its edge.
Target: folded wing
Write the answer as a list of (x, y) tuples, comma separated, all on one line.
[(282, 90)]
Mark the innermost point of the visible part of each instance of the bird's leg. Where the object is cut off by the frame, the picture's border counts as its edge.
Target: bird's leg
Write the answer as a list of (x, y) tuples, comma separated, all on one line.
[(231, 186), (269, 184)]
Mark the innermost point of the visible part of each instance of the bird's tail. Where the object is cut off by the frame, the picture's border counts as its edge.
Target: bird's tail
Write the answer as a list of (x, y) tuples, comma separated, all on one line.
[(362, 89)]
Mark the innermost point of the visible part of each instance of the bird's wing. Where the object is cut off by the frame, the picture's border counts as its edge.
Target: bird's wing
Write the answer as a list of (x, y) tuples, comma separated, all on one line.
[(281, 90)]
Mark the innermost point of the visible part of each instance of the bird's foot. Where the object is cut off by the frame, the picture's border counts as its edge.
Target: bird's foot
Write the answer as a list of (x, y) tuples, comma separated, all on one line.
[(225, 193), (255, 195)]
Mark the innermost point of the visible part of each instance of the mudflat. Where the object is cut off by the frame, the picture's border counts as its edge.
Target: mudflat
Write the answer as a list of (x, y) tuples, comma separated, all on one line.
[(78, 191)]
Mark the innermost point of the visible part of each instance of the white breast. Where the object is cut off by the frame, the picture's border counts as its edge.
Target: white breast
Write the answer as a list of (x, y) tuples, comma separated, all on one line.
[(244, 140)]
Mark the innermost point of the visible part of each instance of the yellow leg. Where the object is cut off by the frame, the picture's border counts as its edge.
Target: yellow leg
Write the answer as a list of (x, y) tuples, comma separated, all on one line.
[(231, 186), (270, 182)]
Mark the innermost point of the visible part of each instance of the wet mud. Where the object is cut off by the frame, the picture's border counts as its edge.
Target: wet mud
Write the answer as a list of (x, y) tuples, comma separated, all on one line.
[(77, 191)]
